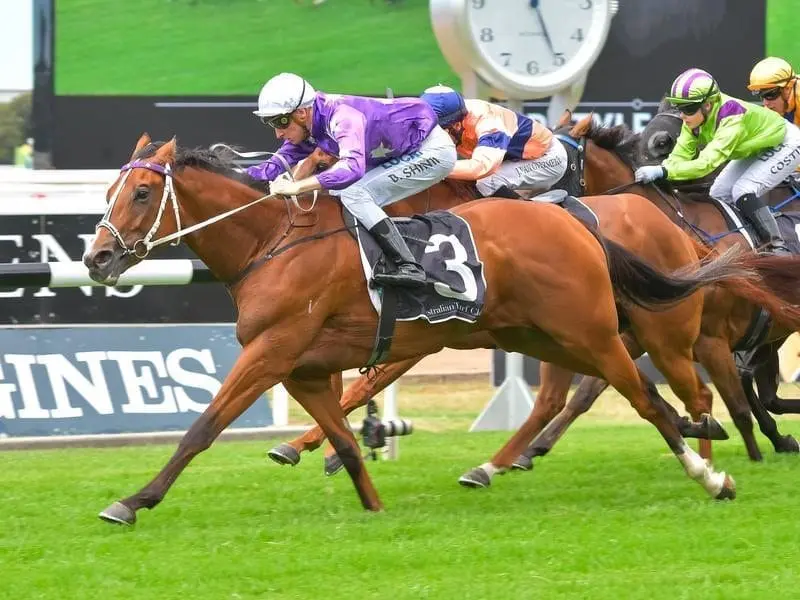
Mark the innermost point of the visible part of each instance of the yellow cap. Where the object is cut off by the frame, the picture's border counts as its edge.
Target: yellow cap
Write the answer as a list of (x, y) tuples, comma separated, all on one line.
[(770, 73)]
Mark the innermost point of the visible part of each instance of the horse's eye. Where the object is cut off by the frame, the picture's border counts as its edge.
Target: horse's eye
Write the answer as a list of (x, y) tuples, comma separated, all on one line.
[(142, 193)]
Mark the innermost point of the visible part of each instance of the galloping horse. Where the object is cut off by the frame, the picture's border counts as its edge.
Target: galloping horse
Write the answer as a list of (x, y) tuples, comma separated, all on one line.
[(304, 312), (669, 336), (727, 314), (759, 366)]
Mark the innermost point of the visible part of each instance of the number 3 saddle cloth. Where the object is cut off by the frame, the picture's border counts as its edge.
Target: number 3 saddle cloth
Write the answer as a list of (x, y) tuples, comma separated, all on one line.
[(442, 243)]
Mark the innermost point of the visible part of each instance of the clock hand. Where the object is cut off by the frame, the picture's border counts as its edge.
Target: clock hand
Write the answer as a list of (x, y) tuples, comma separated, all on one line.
[(543, 26)]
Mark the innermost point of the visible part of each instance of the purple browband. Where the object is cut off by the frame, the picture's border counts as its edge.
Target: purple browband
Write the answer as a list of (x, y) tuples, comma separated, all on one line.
[(143, 164)]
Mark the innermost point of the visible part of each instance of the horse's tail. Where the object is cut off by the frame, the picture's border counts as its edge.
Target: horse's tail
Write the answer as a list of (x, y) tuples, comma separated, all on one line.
[(639, 283), (777, 290)]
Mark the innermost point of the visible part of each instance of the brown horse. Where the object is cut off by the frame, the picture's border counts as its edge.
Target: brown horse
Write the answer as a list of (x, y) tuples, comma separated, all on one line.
[(669, 337), (304, 312), (727, 313), (758, 366)]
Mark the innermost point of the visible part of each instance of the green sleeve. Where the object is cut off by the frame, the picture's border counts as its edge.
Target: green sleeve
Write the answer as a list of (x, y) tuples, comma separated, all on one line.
[(718, 150)]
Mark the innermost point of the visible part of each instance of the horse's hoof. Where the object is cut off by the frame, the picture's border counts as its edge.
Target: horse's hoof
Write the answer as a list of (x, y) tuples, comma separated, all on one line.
[(713, 428), (476, 478), (333, 464), (284, 454), (118, 514), (728, 491), (523, 463), (787, 444)]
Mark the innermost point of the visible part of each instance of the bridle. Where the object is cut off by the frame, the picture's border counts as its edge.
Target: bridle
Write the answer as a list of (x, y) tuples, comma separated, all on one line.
[(142, 247)]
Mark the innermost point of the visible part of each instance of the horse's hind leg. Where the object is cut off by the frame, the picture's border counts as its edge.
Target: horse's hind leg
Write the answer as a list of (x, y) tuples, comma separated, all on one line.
[(715, 355), (616, 366), (582, 400), (319, 398), (550, 399)]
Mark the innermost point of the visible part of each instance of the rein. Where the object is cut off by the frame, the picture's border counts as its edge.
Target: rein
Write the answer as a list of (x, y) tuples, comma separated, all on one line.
[(142, 247)]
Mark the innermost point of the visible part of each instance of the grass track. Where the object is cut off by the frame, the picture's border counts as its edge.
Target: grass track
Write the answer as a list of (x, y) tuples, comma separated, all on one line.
[(608, 515)]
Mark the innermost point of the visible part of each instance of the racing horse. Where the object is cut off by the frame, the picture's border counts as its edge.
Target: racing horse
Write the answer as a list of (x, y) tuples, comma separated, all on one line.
[(669, 337), (758, 365), (727, 314), (304, 311)]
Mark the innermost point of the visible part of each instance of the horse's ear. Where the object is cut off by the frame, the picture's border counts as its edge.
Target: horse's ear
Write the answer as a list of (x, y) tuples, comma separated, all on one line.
[(565, 119), (166, 153), (582, 127), (665, 106), (143, 141)]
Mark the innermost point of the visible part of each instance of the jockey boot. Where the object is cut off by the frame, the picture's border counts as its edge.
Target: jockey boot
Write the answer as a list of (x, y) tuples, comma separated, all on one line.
[(408, 273), (505, 192), (760, 216)]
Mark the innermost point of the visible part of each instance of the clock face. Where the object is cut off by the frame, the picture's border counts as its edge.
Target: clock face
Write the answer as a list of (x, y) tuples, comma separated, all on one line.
[(537, 39)]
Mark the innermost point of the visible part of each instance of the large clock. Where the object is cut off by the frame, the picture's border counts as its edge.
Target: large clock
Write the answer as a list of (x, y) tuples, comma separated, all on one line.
[(526, 48)]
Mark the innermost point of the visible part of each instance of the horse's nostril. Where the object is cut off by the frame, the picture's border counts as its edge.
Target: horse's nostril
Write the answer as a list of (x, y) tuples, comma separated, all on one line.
[(102, 258)]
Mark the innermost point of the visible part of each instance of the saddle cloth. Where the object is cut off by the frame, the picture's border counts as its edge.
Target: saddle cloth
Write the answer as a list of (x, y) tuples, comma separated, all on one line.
[(442, 243)]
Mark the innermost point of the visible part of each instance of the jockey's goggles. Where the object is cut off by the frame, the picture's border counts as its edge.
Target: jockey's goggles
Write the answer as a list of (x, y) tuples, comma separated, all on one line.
[(689, 109), (278, 121), (770, 94)]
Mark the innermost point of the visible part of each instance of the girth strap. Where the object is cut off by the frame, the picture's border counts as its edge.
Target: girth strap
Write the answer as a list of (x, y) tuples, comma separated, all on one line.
[(756, 332), (385, 332)]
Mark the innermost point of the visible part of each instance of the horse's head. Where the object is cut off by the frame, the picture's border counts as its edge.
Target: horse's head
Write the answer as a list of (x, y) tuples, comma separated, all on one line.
[(137, 212), (610, 153), (659, 136)]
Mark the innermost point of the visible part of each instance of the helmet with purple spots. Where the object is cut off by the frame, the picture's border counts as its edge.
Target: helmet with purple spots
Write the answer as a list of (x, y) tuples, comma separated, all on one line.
[(693, 86)]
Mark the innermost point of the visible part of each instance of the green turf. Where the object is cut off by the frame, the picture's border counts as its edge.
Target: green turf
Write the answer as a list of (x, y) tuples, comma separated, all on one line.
[(608, 515), (219, 47)]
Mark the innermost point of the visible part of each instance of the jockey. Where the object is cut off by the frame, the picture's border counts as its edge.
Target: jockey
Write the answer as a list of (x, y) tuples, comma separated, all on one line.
[(503, 150), (385, 150), (776, 83), (761, 146)]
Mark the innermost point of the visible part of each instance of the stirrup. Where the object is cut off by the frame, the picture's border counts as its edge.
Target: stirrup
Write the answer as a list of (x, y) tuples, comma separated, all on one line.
[(774, 248), (777, 248), (416, 279)]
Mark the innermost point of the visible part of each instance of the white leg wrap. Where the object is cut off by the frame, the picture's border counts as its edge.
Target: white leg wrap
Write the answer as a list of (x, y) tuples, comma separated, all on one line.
[(701, 472)]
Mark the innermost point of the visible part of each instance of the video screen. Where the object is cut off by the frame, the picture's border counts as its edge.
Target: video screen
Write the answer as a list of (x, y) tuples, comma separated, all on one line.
[(231, 47)]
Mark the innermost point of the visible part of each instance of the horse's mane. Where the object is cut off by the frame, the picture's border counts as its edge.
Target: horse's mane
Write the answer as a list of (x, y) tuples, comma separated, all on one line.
[(618, 139), (215, 161)]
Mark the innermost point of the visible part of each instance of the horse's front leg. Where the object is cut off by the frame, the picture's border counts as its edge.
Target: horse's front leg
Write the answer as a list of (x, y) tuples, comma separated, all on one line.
[(766, 376), (550, 399), (250, 376), (319, 398), (356, 396)]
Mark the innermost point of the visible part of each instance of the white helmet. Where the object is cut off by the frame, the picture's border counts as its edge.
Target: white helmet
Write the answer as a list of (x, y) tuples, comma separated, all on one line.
[(284, 94)]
